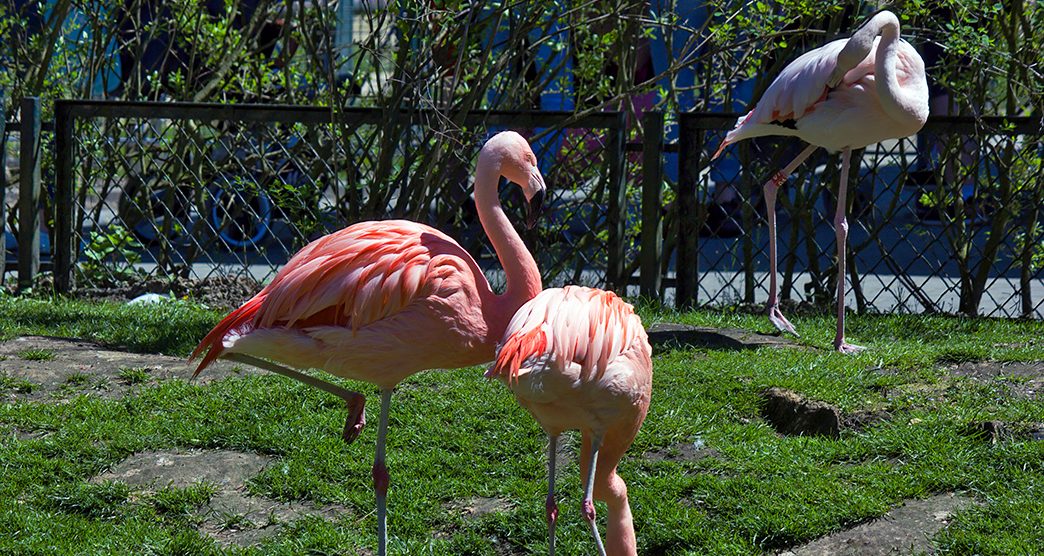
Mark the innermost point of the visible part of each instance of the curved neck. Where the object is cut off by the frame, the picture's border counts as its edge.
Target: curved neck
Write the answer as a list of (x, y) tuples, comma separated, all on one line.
[(520, 269), (899, 101)]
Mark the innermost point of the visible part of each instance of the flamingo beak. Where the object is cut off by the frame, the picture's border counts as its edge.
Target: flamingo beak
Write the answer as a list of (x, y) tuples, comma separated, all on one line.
[(534, 208)]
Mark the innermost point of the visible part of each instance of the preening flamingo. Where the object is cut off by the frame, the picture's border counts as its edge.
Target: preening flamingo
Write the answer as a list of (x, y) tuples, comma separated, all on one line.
[(578, 358), (380, 301), (844, 95)]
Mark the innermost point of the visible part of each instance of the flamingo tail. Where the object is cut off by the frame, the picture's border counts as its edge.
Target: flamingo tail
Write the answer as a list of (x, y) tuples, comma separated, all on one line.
[(213, 342), (517, 349)]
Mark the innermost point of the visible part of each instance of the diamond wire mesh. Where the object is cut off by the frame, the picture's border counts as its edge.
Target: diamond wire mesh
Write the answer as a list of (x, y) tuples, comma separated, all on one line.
[(914, 245), (9, 183), (198, 199)]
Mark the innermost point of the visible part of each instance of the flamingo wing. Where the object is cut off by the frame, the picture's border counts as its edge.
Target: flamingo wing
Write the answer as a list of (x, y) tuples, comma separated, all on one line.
[(574, 324), (795, 93), (351, 278)]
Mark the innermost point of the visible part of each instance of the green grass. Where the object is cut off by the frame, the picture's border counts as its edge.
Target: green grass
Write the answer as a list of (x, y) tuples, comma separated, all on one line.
[(37, 354), (454, 435)]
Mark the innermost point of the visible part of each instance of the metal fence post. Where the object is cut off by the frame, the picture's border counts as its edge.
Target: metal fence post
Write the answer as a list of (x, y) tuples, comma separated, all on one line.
[(63, 250), (3, 186), (616, 219), (689, 147), (652, 201), (29, 194)]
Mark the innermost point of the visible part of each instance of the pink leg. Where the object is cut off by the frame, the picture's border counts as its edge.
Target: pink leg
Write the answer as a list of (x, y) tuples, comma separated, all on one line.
[(551, 506), (774, 314), (380, 476), (841, 228), (587, 508), (356, 401)]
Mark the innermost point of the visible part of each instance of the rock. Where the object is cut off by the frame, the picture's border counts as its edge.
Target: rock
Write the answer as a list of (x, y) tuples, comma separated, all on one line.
[(668, 335), (232, 516), (907, 529), (82, 367), (789, 413)]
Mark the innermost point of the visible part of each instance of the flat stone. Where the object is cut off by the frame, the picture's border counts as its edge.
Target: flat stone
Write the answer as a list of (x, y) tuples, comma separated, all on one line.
[(232, 516), (82, 367), (224, 468), (671, 335), (907, 529), (791, 414)]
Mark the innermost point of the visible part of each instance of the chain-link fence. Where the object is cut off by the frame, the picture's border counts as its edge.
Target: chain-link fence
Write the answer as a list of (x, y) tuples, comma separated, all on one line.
[(196, 191), (951, 220), (948, 221)]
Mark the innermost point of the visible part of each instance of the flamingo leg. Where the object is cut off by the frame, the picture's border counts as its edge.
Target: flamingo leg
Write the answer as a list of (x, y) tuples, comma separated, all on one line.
[(841, 229), (587, 507), (771, 186), (356, 402), (552, 507), (380, 475)]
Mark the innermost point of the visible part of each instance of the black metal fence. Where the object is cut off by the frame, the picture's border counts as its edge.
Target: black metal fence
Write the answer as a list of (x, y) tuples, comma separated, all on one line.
[(197, 190), (949, 221)]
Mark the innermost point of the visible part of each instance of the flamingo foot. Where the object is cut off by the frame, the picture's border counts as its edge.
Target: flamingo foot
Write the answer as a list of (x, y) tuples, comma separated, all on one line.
[(356, 420), (779, 321), (847, 348)]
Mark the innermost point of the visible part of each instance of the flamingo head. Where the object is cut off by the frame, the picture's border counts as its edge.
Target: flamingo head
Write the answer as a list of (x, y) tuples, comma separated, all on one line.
[(519, 165)]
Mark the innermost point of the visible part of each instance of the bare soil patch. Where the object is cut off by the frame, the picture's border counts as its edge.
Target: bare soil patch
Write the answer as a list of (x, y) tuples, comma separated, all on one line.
[(1023, 379), (41, 368)]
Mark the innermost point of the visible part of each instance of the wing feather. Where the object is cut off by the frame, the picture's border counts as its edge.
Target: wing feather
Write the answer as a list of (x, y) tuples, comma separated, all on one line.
[(573, 324), (351, 278)]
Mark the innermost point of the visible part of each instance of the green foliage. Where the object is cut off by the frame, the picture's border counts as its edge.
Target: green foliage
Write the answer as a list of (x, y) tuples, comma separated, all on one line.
[(111, 256)]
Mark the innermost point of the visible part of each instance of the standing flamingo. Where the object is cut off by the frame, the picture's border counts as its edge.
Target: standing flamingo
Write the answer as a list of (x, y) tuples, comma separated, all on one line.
[(578, 358), (844, 95), (380, 301)]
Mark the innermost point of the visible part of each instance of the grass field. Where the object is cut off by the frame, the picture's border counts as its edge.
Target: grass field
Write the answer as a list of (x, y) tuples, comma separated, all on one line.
[(454, 436)]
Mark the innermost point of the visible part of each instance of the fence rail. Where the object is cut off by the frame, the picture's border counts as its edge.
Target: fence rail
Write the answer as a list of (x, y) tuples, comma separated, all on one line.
[(196, 189), (949, 221)]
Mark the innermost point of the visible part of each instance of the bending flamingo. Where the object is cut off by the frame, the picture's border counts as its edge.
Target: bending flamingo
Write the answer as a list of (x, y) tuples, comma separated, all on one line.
[(845, 95), (380, 301), (578, 358)]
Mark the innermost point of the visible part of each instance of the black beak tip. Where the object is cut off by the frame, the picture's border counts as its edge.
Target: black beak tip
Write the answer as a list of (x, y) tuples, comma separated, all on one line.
[(534, 208)]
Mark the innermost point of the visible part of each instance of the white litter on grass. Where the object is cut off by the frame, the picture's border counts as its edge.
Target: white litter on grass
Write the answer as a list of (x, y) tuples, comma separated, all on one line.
[(146, 298)]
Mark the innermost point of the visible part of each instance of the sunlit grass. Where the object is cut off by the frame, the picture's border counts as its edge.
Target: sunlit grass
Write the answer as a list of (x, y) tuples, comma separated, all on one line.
[(454, 435)]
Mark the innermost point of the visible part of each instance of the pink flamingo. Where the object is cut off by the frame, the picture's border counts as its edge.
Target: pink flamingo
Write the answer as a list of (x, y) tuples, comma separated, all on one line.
[(380, 301), (578, 358), (844, 95)]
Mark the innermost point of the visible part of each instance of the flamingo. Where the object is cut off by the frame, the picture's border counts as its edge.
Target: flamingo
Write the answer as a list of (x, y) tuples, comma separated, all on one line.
[(578, 358), (844, 95), (380, 301)]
